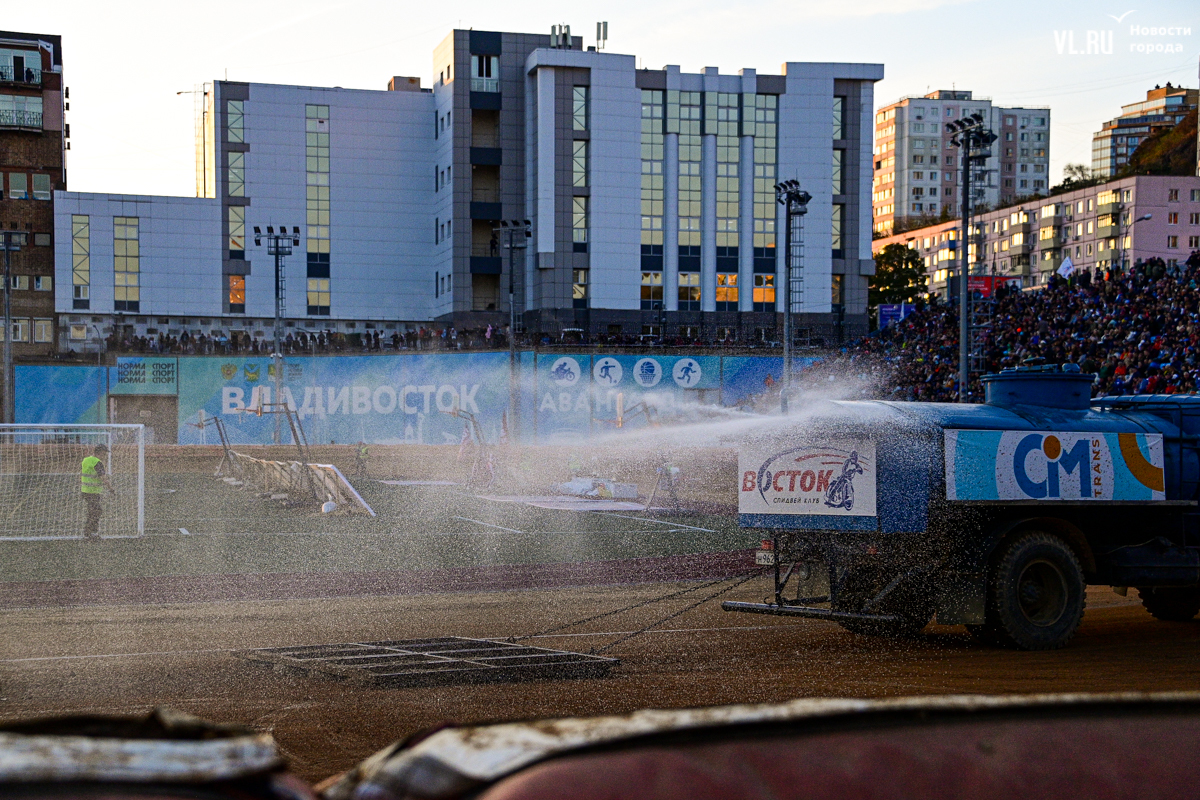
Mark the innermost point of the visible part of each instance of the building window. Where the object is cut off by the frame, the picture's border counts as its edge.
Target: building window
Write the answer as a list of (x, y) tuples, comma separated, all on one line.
[(20, 111), (126, 264), (1194, 242), (1172, 242), (318, 297), (839, 113), (1173, 218), (41, 187), (652, 290), (838, 224), (690, 147), (579, 224), (727, 293), (43, 331), (652, 174), (78, 333), (764, 292), (689, 291), (579, 288), (20, 330), (18, 186), (236, 175), (43, 283), (579, 108), (237, 294), (317, 244), (1172, 195), (728, 189), (579, 163), (485, 74), (20, 283), (765, 143), (235, 121), (237, 232), (839, 161), (81, 260)]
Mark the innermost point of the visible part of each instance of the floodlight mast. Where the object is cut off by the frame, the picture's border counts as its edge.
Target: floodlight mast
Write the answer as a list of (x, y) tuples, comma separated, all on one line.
[(278, 245), (517, 231), (968, 134), (795, 203)]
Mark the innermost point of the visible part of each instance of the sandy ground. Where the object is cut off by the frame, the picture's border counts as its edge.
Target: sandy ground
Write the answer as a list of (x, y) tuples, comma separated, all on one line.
[(126, 658)]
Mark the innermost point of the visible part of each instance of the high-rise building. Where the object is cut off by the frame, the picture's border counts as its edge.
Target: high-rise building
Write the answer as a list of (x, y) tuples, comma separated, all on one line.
[(649, 193), (1164, 107), (917, 169), (32, 164)]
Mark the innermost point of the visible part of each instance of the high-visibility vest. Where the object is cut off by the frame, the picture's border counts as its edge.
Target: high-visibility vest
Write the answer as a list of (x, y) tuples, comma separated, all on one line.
[(89, 480)]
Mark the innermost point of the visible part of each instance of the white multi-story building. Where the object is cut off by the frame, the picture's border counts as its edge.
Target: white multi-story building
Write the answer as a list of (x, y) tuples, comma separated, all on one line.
[(917, 170), (1163, 108), (650, 196)]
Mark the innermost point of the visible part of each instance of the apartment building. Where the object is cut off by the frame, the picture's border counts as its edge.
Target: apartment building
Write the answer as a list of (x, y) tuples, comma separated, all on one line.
[(917, 170), (33, 138), (1120, 222), (1163, 108), (649, 196)]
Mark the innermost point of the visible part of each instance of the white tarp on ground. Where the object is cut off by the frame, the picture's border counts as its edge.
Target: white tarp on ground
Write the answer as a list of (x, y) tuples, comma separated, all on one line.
[(560, 503)]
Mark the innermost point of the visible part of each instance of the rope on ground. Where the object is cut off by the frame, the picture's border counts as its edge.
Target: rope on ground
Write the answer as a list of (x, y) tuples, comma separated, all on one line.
[(638, 604), (713, 596)]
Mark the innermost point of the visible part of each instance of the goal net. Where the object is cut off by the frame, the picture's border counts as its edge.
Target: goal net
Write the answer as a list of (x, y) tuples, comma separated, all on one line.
[(40, 486)]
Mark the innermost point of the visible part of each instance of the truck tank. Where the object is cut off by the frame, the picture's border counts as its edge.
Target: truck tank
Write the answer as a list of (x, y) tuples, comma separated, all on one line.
[(882, 515)]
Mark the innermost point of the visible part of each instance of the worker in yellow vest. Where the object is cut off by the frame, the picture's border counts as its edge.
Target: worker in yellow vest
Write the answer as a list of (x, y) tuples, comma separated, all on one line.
[(360, 459), (93, 481)]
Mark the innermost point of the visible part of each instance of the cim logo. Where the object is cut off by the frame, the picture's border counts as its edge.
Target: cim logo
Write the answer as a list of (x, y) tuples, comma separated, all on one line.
[(1043, 467)]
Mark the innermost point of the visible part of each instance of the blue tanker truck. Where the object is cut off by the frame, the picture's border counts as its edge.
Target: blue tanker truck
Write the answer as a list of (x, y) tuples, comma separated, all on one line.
[(884, 515)]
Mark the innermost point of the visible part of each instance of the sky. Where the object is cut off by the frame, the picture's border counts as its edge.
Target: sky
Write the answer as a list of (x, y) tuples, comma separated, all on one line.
[(126, 61)]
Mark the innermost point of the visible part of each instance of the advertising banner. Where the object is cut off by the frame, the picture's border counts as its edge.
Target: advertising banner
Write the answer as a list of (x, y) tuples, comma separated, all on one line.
[(377, 399), (1058, 465), (144, 375), (833, 479)]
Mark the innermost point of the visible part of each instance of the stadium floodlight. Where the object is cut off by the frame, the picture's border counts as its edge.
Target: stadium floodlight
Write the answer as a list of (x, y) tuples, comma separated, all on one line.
[(41, 479), (513, 228), (279, 245)]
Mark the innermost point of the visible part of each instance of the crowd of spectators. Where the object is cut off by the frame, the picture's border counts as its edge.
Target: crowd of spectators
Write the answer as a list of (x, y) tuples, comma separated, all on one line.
[(315, 342), (1138, 332)]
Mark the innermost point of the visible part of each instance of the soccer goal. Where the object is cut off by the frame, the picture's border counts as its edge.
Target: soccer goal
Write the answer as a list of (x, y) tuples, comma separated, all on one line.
[(40, 488)]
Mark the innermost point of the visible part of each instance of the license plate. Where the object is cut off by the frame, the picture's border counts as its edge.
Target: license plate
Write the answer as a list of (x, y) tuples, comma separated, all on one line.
[(764, 558)]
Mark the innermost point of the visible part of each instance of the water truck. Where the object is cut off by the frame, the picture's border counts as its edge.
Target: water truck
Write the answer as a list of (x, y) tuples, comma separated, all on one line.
[(882, 516)]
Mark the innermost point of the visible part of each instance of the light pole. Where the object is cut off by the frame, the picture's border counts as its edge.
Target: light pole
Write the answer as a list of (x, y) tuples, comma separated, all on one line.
[(12, 241), (278, 245), (795, 204), (971, 138), (1121, 236), (517, 231)]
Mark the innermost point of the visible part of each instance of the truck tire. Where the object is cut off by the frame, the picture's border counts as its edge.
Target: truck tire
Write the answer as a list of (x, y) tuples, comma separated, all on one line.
[(1171, 604), (1036, 594)]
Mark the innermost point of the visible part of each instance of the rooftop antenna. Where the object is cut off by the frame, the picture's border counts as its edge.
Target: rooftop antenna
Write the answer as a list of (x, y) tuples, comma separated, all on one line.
[(601, 35), (560, 37)]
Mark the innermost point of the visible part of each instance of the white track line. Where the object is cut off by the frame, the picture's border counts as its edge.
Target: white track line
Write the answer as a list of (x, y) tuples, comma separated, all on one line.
[(498, 637), (651, 519), (488, 524)]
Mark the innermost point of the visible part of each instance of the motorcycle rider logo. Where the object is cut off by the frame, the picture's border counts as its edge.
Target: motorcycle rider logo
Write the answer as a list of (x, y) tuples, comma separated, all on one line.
[(841, 489), (565, 371)]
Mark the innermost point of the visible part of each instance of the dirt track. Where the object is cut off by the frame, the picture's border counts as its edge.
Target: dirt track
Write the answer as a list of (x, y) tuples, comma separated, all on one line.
[(127, 658)]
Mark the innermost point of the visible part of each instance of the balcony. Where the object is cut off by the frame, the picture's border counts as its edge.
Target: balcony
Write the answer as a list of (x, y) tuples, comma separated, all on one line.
[(1052, 243), (485, 84), (1108, 208), (12, 118), (1106, 231), (30, 75)]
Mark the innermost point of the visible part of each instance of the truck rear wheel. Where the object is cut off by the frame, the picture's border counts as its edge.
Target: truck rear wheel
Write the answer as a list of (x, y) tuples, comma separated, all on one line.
[(1036, 594), (1171, 604)]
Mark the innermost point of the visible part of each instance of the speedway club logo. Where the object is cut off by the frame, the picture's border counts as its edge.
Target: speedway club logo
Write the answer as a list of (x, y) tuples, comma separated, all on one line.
[(686, 372), (836, 479), (566, 371), (647, 372), (607, 371), (1053, 465)]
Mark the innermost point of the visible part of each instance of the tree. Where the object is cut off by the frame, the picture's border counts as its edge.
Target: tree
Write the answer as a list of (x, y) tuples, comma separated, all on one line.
[(1170, 151), (899, 276), (1076, 176)]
